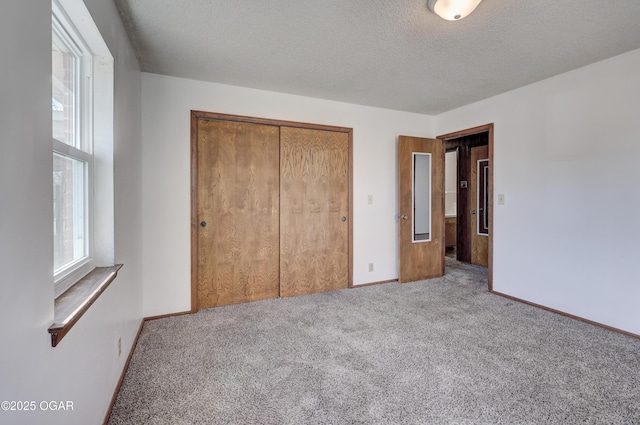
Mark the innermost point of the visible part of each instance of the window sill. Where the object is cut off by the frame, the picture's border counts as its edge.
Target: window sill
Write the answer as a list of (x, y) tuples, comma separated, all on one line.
[(74, 302)]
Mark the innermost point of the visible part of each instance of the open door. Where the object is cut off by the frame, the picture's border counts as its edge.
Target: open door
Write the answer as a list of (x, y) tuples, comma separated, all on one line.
[(421, 208), (480, 206)]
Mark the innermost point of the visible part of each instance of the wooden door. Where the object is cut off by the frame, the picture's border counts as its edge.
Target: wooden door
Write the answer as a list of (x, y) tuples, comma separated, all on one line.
[(314, 210), (237, 212), (479, 206), (420, 256)]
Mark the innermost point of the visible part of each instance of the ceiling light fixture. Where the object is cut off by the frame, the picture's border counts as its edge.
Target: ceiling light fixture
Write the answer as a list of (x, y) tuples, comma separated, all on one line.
[(453, 10)]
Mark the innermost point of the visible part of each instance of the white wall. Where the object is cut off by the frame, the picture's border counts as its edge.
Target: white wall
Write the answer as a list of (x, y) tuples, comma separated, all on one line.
[(84, 367), (566, 158), (166, 106)]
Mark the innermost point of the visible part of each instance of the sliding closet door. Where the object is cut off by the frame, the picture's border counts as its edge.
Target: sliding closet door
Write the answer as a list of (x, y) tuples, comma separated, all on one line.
[(314, 208), (237, 212)]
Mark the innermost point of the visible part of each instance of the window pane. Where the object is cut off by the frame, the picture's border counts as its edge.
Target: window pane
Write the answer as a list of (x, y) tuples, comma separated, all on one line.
[(69, 211), (64, 99)]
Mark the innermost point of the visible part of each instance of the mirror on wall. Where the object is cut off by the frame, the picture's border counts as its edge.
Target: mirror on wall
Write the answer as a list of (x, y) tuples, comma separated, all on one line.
[(451, 184), (483, 197), (421, 197)]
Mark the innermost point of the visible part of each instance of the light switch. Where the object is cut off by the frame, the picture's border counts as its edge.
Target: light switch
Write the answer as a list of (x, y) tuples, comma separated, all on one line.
[(370, 199), (500, 198)]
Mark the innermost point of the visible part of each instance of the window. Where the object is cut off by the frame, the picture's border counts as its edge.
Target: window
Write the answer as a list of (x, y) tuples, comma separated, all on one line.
[(82, 107), (72, 113)]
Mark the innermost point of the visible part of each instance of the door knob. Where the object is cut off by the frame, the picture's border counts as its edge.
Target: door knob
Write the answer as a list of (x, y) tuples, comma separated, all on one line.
[(343, 218), (404, 217), (473, 211), (203, 223)]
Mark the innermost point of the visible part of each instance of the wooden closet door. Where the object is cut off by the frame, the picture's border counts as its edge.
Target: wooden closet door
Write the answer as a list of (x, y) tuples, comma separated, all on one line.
[(314, 207), (237, 212)]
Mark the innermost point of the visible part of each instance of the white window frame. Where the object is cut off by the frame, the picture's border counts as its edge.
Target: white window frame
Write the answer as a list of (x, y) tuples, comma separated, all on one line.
[(82, 148)]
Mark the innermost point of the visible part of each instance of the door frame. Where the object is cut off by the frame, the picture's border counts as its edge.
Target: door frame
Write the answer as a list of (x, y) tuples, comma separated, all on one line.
[(202, 115), (469, 132)]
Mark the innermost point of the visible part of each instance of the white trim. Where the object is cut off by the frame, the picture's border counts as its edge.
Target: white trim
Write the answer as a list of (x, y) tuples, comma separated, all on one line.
[(103, 171), (413, 198), (78, 15), (72, 28), (478, 196), (70, 151), (93, 144), (71, 275), (74, 40)]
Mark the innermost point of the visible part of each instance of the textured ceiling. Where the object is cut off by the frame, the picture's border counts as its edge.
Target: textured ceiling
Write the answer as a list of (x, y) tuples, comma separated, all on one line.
[(388, 53)]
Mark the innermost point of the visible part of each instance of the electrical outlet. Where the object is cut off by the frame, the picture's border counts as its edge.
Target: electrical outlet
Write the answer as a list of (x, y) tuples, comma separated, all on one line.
[(370, 267), (501, 199), (370, 199), (119, 346)]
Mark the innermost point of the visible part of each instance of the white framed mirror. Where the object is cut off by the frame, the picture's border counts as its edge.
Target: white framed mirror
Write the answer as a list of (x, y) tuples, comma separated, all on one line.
[(421, 191)]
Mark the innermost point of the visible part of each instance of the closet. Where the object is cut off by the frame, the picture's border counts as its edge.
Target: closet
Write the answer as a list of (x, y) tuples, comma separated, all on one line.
[(271, 208)]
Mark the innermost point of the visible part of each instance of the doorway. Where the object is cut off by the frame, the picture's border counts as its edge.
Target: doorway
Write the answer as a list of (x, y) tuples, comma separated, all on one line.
[(474, 228)]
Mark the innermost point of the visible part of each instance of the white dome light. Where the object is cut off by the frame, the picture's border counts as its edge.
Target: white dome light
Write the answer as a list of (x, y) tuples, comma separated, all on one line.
[(453, 10)]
